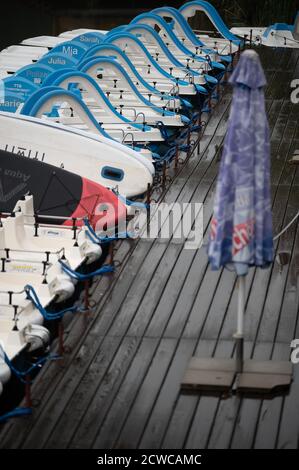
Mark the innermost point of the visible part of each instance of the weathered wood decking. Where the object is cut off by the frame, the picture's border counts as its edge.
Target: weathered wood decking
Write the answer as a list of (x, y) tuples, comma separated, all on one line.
[(120, 384)]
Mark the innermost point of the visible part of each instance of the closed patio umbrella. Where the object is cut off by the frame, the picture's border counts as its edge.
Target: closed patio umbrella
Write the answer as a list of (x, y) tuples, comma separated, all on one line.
[(241, 230), (241, 233)]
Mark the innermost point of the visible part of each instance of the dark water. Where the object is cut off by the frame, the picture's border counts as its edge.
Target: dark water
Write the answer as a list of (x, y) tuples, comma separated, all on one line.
[(21, 19)]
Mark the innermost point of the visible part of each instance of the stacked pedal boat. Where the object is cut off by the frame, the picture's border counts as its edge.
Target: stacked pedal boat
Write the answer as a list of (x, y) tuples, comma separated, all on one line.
[(88, 120)]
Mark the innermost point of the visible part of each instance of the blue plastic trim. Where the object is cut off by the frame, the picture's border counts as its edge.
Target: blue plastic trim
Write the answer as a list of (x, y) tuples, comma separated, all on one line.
[(57, 60), (163, 25), (107, 60), (77, 75), (18, 84), (54, 75), (174, 39), (159, 42), (73, 49), (90, 39), (218, 21), (150, 59), (115, 49), (14, 91), (107, 169), (177, 17), (210, 79), (279, 27), (35, 97), (40, 97), (9, 102), (36, 73), (201, 89), (118, 29)]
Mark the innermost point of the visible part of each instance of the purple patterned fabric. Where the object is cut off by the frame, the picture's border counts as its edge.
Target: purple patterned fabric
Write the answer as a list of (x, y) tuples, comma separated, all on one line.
[(241, 229)]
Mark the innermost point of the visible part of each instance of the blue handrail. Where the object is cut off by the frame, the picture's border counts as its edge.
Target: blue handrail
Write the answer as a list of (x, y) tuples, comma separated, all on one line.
[(214, 16), (84, 277), (15, 414), (49, 316)]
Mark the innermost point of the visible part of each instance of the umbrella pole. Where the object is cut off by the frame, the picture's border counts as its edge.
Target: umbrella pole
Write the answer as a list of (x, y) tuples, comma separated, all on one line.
[(239, 336)]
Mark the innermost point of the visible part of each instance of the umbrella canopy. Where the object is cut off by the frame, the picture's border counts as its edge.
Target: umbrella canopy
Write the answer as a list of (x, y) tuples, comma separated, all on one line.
[(241, 229)]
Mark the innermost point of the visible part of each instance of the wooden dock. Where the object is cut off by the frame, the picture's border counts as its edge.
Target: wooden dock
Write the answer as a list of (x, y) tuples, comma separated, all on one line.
[(119, 385)]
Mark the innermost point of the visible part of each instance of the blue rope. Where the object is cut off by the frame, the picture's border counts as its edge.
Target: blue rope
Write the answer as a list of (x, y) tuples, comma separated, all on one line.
[(206, 109), (32, 295), (169, 155), (184, 134), (195, 117), (15, 413), (85, 277), (196, 128), (140, 205), (104, 240), (161, 126), (20, 374), (96, 239), (185, 148), (191, 128)]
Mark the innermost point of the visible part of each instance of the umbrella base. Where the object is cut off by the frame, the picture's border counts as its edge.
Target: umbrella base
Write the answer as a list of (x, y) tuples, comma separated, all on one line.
[(209, 375), (269, 378), (295, 159), (221, 376)]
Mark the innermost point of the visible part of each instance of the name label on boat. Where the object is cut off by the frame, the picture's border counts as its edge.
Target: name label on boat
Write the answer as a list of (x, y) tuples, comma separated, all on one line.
[(73, 49), (50, 233), (22, 268), (90, 39), (25, 152)]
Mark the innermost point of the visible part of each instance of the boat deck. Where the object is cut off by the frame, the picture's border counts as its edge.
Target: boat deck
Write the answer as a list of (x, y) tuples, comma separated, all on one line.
[(119, 385)]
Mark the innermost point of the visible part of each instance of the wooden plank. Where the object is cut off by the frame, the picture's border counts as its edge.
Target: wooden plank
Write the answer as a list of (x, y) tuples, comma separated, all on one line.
[(223, 424), (218, 308), (288, 431), (90, 401), (183, 412), (269, 321), (227, 412), (193, 285), (54, 408), (270, 414), (176, 283), (204, 416), (104, 435), (171, 294), (158, 420), (244, 431), (138, 415)]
